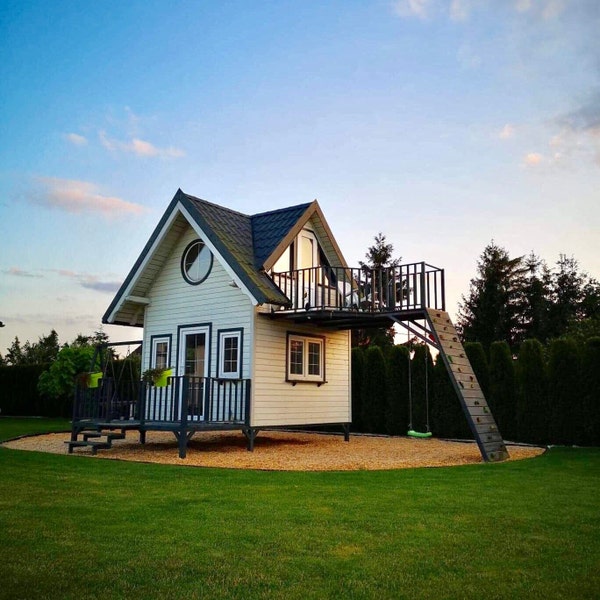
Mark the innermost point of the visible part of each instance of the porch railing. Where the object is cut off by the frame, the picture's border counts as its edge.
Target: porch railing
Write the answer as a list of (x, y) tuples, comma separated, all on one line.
[(184, 399), (406, 287)]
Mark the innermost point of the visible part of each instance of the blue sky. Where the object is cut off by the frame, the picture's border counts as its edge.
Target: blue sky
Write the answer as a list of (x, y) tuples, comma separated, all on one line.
[(442, 124)]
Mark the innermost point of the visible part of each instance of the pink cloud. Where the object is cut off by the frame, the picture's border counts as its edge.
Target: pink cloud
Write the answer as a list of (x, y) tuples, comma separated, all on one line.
[(81, 197)]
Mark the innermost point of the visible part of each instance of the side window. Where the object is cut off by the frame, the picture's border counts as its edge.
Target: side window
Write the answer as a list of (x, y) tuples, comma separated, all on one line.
[(161, 352), (230, 354), (305, 358)]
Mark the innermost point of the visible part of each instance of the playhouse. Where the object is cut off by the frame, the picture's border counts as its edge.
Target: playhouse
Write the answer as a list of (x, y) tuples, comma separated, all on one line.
[(247, 320)]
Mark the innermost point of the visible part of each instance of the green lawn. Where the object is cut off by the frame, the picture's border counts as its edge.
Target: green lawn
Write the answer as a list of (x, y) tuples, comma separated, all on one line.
[(74, 527)]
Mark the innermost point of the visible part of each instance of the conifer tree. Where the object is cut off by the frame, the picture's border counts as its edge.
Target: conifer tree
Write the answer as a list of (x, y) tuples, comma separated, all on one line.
[(532, 404), (375, 393), (503, 392), (397, 390), (564, 389)]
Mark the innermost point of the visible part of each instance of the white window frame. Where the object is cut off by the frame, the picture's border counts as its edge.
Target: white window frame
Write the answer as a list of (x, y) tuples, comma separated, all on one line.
[(223, 336), (156, 340), (306, 340)]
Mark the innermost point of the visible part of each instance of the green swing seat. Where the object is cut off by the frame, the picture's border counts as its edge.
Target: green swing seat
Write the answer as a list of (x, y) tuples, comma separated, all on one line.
[(418, 434)]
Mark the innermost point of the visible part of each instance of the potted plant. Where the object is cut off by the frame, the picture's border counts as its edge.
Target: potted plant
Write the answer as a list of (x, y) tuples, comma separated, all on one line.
[(158, 377), (89, 380)]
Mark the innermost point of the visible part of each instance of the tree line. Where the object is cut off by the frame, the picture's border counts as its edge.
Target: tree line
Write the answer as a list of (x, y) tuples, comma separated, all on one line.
[(513, 299)]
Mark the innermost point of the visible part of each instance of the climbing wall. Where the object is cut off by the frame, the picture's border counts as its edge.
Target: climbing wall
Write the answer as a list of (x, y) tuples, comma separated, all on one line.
[(480, 418)]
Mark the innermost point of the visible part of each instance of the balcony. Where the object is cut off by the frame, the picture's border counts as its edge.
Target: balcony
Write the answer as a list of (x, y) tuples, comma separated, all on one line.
[(356, 297)]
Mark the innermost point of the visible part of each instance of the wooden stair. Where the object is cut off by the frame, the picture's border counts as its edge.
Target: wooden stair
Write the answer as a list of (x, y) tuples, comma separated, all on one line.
[(476, 409), (93, 439)]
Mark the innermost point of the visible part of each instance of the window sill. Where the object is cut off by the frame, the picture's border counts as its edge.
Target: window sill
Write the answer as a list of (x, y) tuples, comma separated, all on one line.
[(310, 381)]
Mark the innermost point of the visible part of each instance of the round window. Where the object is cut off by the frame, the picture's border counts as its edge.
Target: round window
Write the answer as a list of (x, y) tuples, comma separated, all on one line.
[(196, 262)]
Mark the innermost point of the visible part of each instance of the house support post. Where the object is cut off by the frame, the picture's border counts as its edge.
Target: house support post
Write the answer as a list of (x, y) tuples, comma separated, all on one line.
[(182, 437), (346, 427), (250, 433)]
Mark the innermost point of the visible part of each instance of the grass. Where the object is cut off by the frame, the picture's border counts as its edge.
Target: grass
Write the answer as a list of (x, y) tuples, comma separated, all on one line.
[(71, 526)]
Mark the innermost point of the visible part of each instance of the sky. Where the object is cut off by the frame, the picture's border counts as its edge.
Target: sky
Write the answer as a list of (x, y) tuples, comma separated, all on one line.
[(444, 124)]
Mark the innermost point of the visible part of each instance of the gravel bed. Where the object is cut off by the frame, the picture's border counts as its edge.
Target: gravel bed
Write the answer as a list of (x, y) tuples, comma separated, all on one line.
[(282, 451)]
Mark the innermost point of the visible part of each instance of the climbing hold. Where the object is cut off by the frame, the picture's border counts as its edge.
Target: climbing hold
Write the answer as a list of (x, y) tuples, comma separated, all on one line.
[(454, 339), (462, 355), (472, 378), (450, 360), (462, 385), (476, 403)]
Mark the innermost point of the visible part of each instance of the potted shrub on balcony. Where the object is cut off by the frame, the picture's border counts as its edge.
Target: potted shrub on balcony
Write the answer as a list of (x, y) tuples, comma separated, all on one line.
[(158, 377)]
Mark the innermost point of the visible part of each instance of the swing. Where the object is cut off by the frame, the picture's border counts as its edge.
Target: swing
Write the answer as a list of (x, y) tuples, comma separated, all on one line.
[(412, 432)]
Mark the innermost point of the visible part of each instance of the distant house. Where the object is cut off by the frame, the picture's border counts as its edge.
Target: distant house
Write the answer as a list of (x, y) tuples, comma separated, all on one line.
[(253, 314)]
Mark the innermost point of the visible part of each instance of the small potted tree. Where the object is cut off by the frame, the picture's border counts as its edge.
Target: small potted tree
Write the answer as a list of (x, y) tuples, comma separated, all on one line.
[(158, 377)]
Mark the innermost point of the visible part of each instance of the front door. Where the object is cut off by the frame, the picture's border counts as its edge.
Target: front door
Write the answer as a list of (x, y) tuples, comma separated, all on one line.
[(193, 363)]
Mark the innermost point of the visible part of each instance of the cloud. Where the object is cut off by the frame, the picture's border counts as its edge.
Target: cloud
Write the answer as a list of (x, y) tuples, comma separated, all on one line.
[(413, 8), (17, 272), (89, 280), (77, 197), (76, 139), (533, 159), (138, 147), (507, 132)]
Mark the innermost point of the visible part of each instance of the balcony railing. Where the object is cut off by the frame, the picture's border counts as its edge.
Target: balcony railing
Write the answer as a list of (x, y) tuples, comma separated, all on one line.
[(406, 287), (183, 400)]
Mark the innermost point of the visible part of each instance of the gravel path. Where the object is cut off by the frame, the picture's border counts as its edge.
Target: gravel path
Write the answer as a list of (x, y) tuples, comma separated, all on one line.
[(282, 451)]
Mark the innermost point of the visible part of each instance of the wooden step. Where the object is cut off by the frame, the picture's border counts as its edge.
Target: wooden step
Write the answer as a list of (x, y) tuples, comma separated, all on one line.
[(95, 446)]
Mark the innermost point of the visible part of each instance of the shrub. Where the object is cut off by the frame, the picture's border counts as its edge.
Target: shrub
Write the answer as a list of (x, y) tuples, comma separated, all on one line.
[(588, 416), (476, 355), (564, 390), (358, 379), (503, 392), (397, 391), (422, 386), (375, 396), (532, 401), (19, 395)]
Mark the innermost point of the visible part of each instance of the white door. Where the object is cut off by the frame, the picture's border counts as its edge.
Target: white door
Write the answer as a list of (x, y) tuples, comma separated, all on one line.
[(308, 259), (194, 344)]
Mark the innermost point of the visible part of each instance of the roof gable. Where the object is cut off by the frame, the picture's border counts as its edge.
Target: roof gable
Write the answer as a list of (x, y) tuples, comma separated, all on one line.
[(247, 246)]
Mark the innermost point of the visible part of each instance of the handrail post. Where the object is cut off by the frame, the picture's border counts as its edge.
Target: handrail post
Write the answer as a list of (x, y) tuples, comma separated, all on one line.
[(423, 293), (247, 402), (443, 277)]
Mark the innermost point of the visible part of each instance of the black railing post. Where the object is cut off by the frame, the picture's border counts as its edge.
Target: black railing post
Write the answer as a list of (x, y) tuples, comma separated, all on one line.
[(443, 278), (247, 402), (142, 402), (423, 291)]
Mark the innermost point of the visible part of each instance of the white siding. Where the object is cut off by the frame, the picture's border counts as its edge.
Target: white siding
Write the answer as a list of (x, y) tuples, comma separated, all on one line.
[(277, 402), (174, 302)]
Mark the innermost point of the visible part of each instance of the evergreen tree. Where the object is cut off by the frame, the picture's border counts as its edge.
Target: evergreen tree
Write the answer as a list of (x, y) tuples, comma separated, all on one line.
[(567, 295), (358, 380), (536, 300), (492, 311), (375, 393), (45, 350), (476, 355), (379, 256), (397, 389), (421, 385), (588, 413), (532, 401), (503, 392), (447, 417), (564, 390)]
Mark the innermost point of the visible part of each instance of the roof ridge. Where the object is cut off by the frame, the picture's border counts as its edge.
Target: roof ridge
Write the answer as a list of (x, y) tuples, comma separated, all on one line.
[(277, 210), (219, 206)]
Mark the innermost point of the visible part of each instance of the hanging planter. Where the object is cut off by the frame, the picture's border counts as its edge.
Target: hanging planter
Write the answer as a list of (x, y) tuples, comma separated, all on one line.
[(157, 377), (94, 379)]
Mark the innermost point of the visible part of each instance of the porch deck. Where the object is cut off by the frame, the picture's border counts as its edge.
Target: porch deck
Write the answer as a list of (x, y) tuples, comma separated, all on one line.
[(184, 406)]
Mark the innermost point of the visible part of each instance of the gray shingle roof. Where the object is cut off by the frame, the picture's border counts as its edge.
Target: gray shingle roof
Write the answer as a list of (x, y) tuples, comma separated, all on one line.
[(246, 241)]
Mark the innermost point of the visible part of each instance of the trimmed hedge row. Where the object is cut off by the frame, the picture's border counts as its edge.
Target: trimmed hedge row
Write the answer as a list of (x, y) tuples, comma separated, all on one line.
[(19, 395), (548, 395)]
